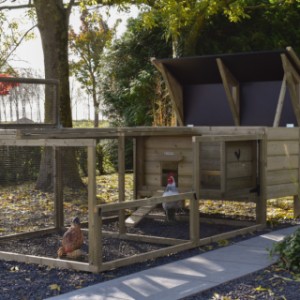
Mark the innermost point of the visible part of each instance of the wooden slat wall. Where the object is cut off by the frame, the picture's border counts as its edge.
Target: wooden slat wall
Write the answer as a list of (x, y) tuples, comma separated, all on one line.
[(158, 149), (210, 165), (282, 168), (240, 165)]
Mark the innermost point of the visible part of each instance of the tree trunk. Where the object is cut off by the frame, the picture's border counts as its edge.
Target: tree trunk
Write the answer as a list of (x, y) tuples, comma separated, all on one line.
[(53, 22), (96, 115), (96, 103)]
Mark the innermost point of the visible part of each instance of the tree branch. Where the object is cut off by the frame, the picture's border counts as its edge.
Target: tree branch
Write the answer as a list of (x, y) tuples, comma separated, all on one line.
[(11, 7), (17, 44), (69, 7)]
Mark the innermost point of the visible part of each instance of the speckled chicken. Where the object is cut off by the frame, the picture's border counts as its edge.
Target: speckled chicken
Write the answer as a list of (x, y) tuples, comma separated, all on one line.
[(72, 240)]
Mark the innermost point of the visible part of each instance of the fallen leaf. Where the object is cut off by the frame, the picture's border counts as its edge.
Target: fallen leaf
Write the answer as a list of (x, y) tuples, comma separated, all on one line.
[(54, 286), (260, 289)]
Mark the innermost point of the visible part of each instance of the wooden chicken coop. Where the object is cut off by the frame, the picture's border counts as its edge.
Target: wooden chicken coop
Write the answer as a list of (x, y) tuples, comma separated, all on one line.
[(237, 139)]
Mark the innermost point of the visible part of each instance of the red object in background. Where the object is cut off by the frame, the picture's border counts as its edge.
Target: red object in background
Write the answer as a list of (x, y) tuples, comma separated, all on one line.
[(5, 87)]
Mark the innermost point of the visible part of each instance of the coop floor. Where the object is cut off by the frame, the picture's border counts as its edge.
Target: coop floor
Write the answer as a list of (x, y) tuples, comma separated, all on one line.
[(113, 248)]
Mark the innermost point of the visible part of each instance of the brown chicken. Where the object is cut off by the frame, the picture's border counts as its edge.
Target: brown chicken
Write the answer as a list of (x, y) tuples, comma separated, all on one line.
[(72, 240)]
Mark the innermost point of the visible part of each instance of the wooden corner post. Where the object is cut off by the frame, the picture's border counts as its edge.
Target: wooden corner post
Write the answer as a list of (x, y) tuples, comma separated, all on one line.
[(261, 200), (95, 230)]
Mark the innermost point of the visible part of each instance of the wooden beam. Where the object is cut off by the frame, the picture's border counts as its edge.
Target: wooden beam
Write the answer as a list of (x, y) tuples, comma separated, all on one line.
[(296, 207), (139, 165), (175, 90), (280, 102), (95, 232), (261, 201), (144, 238), (293, 81), (293, 56), (58, 188), (52, 262), (121, 181), (143, 202), (232, 90), (230, 234), (231, 138), (196, 166), (47, 142), (146, 256), (194, 220), (27, 235)]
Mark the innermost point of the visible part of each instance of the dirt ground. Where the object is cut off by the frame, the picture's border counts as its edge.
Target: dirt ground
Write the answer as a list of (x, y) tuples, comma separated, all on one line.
[(28, 281)]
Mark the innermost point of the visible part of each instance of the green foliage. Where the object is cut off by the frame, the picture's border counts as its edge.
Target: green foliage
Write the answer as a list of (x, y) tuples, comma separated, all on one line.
[(289, 251), (131, 80), (268, 27), (104, 159), (87, 48), (185, 21), (8, 40)]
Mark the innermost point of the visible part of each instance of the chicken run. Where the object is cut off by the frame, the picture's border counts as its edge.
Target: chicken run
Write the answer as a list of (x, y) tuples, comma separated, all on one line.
[(237, 140)]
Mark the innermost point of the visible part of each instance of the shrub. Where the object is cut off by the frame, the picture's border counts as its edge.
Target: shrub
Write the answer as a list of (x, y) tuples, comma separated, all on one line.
[(288, 251)]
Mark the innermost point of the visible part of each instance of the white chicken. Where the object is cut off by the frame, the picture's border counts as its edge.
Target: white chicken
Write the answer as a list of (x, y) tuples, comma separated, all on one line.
[(170, 208)]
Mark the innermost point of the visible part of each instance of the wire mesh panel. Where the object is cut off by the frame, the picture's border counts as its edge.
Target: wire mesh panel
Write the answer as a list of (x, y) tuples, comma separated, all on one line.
[(23, 101), (41, 186), (23, 207)]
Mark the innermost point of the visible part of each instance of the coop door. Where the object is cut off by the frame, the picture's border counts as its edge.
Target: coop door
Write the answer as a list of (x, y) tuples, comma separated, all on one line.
[(226, 165), (241, 165), (167, 169)]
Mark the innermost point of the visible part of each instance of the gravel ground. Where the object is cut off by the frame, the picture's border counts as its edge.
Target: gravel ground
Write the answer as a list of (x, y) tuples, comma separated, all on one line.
[(270, 283), (28, 281)]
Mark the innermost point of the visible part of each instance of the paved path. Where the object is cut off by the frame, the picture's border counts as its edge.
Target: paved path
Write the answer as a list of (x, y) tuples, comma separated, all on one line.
[(188, 276)]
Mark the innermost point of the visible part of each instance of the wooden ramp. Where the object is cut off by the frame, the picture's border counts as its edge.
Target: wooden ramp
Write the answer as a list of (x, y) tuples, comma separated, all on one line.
[(138, 215)]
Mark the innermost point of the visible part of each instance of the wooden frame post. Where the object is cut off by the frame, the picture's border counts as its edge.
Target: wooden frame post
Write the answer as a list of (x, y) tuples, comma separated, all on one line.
[(121, 178), (261, 200), (139, 165), (194, 220), (58, 188), (296, 206), (196, 166), (95, 230)]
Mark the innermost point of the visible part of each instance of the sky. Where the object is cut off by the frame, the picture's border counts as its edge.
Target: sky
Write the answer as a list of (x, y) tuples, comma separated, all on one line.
[(30, 54)]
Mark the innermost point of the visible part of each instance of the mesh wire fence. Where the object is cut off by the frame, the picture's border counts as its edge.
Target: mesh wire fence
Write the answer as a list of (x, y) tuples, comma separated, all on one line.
[(25, 102), (27, 182)]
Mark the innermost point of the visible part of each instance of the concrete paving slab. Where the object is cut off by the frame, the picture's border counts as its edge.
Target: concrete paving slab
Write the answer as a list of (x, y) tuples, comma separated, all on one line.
[(188, 276), (241, 254), (266, 241)]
